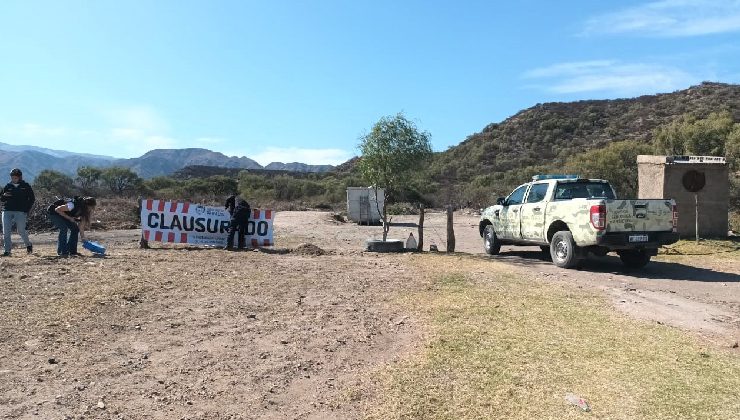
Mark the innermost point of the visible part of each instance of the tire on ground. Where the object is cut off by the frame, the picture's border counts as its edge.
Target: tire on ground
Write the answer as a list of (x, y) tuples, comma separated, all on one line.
[(563, 250), (378, 245), (634, 258), (490, 241)]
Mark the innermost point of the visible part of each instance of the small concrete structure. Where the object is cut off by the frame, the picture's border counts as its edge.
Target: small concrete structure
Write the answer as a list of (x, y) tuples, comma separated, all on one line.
[(361, 205), (686, 179)]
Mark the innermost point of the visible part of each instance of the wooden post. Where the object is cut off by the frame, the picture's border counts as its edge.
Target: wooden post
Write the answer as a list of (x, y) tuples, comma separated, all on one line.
[(420, 244), (450, 231), (696, 213)]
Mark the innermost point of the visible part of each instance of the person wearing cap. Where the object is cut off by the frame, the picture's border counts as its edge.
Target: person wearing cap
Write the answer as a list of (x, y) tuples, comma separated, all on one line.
[(18, 198)]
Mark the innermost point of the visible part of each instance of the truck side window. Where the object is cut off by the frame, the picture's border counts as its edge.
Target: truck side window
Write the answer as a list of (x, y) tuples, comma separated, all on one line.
[(537, 193), (517, 196), (569, 190)]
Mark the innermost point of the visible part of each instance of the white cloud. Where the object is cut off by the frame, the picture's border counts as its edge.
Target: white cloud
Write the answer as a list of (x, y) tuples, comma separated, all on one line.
[(33, 130), (120, 132), (209, 141), (132, 131), (294, 154), (137, 129), (37, 134), (670, 18), (140, 117), (568, 69), (610, 76)]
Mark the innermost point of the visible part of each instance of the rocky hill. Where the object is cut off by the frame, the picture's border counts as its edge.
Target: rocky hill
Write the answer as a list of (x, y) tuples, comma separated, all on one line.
[(298, 167), (156, 162), (547, 134), (204, 171), (32, 162), (166, 161)]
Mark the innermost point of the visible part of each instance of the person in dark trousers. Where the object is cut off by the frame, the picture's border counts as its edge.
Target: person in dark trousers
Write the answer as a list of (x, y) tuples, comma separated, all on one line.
[(230, 204), (71, 216), (18, 198), (238, 223)]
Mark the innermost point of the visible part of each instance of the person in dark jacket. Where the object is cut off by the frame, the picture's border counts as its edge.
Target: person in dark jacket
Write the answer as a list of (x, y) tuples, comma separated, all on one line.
[(18, 198), (230, 204), (71, 216), (238, 223)]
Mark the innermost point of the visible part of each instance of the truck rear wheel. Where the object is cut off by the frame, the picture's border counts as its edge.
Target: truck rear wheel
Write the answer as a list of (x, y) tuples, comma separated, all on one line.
[(634, 258), (490, 241), (563, 250)]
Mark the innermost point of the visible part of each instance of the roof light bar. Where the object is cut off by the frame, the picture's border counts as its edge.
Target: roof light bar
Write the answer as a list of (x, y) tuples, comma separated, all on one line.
[(560, 176)]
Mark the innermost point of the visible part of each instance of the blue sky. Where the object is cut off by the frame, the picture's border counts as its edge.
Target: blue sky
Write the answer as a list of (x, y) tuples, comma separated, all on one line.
[(302, 81)]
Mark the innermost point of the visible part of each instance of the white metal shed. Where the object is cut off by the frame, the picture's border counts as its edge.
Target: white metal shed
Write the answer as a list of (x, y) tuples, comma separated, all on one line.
[(361, 205)]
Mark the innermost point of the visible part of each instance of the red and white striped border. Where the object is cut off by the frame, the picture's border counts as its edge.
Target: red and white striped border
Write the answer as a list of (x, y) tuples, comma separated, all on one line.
[(160, 205)]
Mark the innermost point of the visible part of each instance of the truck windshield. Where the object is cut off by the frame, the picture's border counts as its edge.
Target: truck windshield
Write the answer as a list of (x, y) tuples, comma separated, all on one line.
[(585, 189)]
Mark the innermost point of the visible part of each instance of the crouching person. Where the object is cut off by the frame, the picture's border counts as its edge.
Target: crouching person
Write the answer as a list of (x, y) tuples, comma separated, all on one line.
[(238, 223), (72, 217)]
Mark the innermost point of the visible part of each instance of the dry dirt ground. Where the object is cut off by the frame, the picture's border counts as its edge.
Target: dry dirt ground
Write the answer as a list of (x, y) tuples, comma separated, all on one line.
[(178, 332)]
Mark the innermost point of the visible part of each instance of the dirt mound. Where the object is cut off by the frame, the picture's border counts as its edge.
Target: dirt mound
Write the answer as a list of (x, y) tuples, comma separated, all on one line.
[(338, 217), (308, 249)]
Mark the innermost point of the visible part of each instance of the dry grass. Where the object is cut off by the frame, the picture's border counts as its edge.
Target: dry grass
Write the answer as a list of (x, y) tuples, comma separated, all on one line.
[(722, 249), (508, 347)]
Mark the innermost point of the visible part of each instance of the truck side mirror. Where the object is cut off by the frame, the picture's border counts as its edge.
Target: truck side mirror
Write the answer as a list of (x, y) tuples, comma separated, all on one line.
[(501, 201)]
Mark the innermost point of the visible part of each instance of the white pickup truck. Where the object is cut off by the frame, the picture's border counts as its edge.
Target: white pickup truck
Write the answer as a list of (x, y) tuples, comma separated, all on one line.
[(569, 217)]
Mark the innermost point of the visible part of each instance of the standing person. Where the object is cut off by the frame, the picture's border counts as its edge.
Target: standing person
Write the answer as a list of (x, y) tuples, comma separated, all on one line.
[(238, 223), (71, 216), (18, 198)]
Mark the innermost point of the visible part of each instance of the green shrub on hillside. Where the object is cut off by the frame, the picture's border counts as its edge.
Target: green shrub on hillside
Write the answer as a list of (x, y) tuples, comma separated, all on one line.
[(617, 163)]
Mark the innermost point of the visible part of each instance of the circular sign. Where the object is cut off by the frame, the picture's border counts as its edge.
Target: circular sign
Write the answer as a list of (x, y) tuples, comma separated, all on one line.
[(694, 180)]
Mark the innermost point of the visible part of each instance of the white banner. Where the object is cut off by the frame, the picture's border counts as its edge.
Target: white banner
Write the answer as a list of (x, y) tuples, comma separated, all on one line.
[(187, 223)]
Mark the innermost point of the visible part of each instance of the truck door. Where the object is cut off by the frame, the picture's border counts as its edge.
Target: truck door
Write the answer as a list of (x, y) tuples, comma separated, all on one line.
[(533, 213), (510, 215)]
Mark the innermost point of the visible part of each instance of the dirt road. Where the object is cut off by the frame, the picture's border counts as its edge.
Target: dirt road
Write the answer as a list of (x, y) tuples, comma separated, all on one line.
[(702, 296), (177, 332)]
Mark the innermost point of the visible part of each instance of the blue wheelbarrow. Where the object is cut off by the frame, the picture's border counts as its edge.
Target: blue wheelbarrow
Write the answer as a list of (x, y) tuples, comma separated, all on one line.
[(94, 247)]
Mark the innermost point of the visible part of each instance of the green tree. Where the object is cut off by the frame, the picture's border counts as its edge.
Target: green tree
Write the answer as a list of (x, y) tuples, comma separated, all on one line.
[(54, 182), (120, 180), (160, 183), (691, 136), (716, 135), (617, 163), (732, 148), (392, 150), (88, 177), (222, 185)]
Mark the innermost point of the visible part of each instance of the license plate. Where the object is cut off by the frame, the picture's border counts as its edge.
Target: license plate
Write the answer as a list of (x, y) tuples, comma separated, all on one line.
[(638, 238)]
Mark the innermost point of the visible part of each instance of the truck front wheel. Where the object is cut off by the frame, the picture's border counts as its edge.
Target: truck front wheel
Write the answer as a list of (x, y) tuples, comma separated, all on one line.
[(563, 250), (490, 241), (634, 258)]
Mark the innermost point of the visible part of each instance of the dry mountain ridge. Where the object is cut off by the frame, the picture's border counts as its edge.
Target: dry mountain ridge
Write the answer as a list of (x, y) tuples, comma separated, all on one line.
[(166, 161), (156, 162), (551, 132)]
